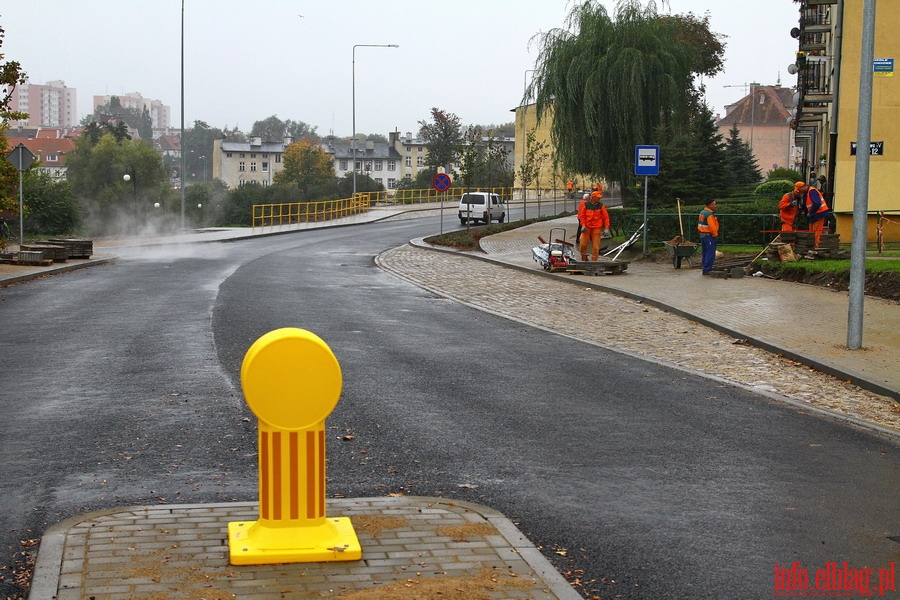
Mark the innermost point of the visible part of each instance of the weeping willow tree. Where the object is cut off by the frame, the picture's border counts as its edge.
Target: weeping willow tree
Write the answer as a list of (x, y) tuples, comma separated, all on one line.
[(609, 82)]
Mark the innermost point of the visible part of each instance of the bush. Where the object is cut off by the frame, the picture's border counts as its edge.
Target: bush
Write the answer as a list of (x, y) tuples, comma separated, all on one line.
[(50, 206), (776, 188), (783, 173)]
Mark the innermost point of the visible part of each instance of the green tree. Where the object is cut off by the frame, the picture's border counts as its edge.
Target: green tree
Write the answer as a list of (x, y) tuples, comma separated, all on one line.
[(51, 205), (742, 164), (124, 116), (536, 155), (610, 83), (198, 148), (695, 165), (305, 166), (96, 174), (273, 128), (11, 76), (443, 136)]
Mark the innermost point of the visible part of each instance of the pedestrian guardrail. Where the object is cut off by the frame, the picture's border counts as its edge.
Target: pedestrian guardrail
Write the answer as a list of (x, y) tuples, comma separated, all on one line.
[(290, 213)]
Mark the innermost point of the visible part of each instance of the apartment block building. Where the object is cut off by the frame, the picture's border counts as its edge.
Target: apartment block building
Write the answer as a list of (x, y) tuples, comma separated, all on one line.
[(49, 105), (160, 114)]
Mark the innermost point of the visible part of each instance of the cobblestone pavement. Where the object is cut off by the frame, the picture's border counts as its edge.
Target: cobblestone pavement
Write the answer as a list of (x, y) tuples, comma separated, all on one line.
[(412, 547), (633, 328)]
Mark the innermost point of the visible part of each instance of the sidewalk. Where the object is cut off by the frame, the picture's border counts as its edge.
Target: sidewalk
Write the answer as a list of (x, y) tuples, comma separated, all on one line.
[(431, 546), (805, 323)]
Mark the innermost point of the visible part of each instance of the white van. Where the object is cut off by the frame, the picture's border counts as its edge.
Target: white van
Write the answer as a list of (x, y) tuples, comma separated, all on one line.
[(481, 206)]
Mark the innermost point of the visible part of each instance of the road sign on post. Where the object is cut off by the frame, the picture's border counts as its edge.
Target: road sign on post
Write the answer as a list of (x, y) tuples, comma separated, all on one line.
[(441, 182), (646, 160), (21, 158), (646, 163)]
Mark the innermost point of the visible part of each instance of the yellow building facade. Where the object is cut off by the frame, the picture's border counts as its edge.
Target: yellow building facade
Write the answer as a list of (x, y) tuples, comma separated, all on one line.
[(828, 61)]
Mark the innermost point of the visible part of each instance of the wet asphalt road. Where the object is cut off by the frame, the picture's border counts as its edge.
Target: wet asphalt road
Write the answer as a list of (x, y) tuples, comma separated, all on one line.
[(121, 388)]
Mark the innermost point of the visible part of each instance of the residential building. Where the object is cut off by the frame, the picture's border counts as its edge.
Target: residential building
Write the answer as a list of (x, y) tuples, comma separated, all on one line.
[(160, 114), (50, 146), (240, 163), (48, 105), (830, 38), (378, 160), (763, 118)]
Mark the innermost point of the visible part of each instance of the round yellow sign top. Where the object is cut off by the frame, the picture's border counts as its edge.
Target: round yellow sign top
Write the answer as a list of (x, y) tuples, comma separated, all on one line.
[(291, 379)]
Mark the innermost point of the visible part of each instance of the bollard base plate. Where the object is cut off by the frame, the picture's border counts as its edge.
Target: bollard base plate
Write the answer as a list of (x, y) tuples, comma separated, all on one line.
[(255, 543)]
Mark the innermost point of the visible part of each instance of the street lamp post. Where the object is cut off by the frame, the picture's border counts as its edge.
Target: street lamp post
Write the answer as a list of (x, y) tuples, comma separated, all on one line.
[(353, 139), (130, 176)]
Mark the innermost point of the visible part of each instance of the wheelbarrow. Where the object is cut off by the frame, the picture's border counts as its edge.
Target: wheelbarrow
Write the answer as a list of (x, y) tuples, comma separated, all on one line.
[(679, 249), (678, 246)]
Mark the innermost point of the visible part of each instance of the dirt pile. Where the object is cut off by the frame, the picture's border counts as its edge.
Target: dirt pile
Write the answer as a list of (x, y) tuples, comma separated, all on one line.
[(882, 285)]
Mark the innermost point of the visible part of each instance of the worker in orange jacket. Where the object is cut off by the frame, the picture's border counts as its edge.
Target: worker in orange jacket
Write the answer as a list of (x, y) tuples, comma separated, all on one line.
[(789, 204), (816, 212), (594, 220), (708, 226)]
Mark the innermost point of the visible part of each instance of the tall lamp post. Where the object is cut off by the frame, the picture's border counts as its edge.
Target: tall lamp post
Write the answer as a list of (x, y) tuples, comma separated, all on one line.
[(130, 176), (353, 140)]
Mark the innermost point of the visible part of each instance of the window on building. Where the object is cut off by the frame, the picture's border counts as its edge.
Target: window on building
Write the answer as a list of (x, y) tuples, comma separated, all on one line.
[(253, 155), (52, 157), (228, 154), (420, 161), (368, 165), (379, 165), (253, 167), (358, 165), (241, 166), (343, 165), (277, 158), (392, 165), (392, 183), (409, 161), (265, 167), (379, 181), (242, 155)]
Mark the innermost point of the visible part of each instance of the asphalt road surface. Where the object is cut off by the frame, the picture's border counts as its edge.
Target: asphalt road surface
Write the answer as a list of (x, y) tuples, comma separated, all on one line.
[(121, 387)]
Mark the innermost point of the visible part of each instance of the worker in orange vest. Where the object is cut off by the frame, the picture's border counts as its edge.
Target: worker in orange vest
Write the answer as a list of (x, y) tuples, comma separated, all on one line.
[(788, 206), (594, 220), (816, 212), (708, 226), (570, 189)]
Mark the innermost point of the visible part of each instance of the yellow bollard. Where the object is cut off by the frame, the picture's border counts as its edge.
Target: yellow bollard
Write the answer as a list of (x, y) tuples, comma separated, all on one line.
[(291, 381)]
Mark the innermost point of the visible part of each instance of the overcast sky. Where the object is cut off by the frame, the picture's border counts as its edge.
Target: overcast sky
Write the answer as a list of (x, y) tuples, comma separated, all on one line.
[(247, 60)]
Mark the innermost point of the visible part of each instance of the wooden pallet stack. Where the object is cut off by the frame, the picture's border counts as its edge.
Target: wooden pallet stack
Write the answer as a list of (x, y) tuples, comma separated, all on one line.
[(76, 248)]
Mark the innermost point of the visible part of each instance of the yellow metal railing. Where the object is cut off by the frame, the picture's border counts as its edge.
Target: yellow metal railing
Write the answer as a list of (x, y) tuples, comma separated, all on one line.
[(426, 195), (265, 215)]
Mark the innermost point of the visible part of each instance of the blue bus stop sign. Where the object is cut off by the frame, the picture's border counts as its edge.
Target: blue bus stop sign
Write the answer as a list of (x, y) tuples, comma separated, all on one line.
[(646, 160)]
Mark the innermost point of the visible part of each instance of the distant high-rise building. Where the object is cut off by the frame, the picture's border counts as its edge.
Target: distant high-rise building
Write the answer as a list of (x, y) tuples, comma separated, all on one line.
[(160, 114), (49, 105)]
